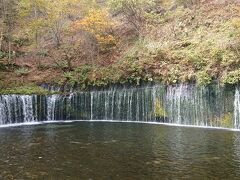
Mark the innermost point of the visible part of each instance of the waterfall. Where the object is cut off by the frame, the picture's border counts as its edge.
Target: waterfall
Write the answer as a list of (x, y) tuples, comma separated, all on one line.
[(185, 104), (237, 109), (2, 111), (27, 104), (51, 105)]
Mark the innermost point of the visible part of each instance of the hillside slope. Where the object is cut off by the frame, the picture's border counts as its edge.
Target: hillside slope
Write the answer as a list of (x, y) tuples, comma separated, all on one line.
[(176, 42)]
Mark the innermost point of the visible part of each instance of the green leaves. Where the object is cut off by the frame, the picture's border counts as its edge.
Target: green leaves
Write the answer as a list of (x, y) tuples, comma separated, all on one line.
[(203, 78), (26, 89), (2, 54), (232, 77)]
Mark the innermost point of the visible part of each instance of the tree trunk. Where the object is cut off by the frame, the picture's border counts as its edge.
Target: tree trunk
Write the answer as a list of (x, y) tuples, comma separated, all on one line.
[(9, 51), (1, 39)]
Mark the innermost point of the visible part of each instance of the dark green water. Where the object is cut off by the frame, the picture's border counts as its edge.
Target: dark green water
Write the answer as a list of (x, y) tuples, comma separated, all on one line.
[(98, 150)]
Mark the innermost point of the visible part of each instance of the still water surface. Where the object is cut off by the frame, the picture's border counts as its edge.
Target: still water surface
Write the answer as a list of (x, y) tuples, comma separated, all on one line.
[(97, 150)]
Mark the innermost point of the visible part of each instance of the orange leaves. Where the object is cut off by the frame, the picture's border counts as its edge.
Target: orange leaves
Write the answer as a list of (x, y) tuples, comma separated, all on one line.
[(99, 24), (96, 19)]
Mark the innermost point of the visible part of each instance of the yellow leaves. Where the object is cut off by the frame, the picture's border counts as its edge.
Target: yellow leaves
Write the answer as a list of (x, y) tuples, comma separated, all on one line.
[(96, 20), (26, 7), (236, 22), (50, 11), (47, 15), (35, 24), (56, 16), (98, 23)]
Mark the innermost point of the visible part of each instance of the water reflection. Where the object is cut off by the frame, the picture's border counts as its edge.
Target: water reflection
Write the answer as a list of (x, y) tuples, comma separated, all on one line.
[(93, 150)]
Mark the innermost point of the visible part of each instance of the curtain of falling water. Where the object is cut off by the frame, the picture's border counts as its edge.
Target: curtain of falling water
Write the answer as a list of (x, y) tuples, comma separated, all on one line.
[(184, 104)]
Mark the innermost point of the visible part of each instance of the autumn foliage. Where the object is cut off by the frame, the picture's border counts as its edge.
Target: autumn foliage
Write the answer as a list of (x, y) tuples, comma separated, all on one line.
[(98, 23)]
